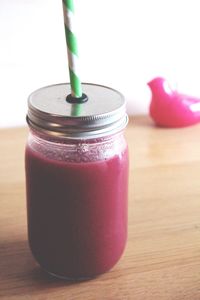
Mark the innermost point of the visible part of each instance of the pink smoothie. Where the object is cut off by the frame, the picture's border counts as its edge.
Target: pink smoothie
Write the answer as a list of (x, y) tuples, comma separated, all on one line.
[(77, 213)]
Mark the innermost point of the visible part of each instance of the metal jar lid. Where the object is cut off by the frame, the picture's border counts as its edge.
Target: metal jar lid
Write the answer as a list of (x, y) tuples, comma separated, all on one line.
[(104, 112)]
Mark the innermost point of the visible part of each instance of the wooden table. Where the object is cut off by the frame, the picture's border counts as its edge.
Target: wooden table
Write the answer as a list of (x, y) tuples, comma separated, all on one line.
[(162, 258)]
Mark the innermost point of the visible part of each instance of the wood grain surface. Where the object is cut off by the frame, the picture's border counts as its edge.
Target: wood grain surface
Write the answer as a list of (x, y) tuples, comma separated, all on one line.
[(162, 257)]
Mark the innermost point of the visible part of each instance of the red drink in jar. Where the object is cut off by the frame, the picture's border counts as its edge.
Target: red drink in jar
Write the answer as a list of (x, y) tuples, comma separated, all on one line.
[(77, 181)]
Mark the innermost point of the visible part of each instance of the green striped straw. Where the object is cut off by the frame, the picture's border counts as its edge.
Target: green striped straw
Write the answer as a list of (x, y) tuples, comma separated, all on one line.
[(72, 49)]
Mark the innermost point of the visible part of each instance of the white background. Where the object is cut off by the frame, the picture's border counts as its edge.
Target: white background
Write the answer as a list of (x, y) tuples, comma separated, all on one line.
[(122, 44)]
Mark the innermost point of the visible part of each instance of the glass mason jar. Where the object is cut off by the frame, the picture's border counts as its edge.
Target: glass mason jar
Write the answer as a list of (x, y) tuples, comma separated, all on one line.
[(76, 180)]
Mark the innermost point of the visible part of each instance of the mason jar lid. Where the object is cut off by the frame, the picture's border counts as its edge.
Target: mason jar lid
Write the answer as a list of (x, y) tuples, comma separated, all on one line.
[(103, 113)]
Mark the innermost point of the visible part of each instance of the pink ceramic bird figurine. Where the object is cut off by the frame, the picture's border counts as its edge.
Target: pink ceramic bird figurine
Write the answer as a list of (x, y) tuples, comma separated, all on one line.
[(169, 108)]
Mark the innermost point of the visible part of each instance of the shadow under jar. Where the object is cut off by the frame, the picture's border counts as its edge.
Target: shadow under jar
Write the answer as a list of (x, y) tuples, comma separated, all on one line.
[(76, 180)]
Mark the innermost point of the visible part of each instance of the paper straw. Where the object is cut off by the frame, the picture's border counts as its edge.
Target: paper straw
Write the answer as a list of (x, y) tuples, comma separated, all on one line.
[(72, 49), (76, 109)]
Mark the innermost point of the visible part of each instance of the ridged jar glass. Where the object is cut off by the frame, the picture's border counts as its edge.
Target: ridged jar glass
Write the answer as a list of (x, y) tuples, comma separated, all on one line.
[(77, 185)]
